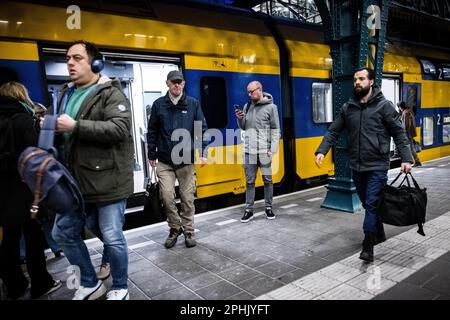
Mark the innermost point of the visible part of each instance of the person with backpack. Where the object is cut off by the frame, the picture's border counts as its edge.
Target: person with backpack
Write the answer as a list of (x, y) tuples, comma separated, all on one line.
[(18, 131), (97, 147)]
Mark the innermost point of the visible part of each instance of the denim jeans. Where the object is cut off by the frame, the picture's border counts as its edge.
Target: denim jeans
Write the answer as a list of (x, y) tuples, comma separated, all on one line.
[(369, 185), (251, 164), (105, 220)]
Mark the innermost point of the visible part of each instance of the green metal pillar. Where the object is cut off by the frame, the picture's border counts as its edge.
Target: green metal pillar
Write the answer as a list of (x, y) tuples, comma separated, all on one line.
[(350, 28)]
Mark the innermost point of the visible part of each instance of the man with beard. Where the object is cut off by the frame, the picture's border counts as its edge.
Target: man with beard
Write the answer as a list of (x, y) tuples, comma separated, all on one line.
[(370, 121)]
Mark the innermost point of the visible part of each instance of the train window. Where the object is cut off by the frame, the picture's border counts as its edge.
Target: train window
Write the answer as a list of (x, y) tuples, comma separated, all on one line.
[(428, 67), (428, 131), (446, 73), (214, 101), (411, 98), (446, 129), (322, 102)]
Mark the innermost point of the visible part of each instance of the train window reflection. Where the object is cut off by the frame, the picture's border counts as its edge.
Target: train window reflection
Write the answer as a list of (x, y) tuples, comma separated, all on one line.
[(214, 101), (322, 102), (428, 67), (446, 73), (428, 131)]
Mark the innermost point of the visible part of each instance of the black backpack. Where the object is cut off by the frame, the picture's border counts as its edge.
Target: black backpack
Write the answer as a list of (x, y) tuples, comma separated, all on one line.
[(7, 148)]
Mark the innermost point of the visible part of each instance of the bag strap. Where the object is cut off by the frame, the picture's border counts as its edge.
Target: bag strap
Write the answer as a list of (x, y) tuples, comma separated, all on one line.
[(414, 181), (24, 161), (405, 179), (47, 134), (396, 178), (34, 209)]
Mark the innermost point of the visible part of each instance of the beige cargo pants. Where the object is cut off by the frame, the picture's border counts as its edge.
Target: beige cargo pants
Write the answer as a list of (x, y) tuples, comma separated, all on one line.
[(167, 174)]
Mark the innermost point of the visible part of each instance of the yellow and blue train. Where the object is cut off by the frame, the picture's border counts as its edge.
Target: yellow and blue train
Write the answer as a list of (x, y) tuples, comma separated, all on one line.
[(220, 50)]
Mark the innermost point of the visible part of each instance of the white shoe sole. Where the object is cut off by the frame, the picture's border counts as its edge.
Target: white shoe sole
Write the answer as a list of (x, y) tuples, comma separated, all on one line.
[(245, 221), (126, 297), (97, 293), (270, 218)]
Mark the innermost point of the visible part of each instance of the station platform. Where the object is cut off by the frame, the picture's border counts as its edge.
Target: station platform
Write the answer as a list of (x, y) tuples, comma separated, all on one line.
[(306, 253)]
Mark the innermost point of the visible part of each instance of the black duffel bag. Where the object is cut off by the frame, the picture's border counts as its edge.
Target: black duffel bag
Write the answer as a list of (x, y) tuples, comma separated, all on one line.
[(403, 205), (153, 207)]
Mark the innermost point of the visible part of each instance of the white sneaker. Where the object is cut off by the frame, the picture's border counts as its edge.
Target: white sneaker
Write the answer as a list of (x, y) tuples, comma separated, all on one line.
[(120, 294), (105, 271), (93, 293)]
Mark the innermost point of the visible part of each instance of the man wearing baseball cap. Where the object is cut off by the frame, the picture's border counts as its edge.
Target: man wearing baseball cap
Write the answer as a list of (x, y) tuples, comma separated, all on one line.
[(172, 116)]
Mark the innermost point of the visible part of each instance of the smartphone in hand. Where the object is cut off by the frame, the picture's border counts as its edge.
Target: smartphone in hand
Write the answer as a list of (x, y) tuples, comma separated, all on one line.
[(237, 107)]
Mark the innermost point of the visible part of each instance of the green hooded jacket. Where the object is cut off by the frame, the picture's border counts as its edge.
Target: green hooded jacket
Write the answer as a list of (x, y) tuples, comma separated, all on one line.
[(101, 153)]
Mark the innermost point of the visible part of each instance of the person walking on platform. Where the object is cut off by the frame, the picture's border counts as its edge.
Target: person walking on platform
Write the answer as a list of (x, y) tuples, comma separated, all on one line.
[(410, 127), (97, 147), (177, 114), (18, 131), (259, 119), (370, 121)]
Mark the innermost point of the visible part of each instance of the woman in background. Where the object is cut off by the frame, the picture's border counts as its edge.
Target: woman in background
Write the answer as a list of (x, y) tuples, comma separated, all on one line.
[(18, 131)]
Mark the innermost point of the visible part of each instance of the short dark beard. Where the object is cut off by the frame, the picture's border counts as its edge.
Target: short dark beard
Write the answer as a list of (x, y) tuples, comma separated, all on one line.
[(360, 93)]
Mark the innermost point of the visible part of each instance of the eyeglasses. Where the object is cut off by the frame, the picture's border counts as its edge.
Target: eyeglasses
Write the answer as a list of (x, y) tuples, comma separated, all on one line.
[(251, 91)]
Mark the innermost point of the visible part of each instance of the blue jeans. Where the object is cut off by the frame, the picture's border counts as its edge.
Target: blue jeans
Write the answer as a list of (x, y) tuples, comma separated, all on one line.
[(369, 185), (47, 227), (105, 220)]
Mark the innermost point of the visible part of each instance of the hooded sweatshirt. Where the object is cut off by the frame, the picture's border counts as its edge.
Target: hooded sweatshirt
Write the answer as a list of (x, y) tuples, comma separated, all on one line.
[(261, 125), (370, 127)]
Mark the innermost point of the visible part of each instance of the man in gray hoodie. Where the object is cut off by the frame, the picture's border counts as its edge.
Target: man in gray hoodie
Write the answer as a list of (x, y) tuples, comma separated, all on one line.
[(259, 119)]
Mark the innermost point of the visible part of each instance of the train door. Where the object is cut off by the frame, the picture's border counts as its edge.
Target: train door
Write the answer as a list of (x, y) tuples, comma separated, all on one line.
[(143, 81), (390, 86)]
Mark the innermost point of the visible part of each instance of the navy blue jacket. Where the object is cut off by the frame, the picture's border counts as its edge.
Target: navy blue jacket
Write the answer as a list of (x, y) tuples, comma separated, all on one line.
[(162, 127)]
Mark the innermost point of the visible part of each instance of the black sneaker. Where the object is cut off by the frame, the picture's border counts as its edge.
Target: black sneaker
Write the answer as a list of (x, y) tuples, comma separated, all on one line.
[(172, 238), (269, 214), (189, 240), (248, 215)]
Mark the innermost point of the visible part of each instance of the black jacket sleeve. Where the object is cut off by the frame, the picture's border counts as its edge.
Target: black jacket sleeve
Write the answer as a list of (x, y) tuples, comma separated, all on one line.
[(333, 133)]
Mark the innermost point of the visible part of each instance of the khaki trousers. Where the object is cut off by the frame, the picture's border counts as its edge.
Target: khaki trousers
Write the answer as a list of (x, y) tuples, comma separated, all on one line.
[(167, 174)]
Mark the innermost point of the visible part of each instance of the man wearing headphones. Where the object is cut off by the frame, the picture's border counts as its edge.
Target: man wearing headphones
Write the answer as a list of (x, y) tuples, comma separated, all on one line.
[(97, 147)]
